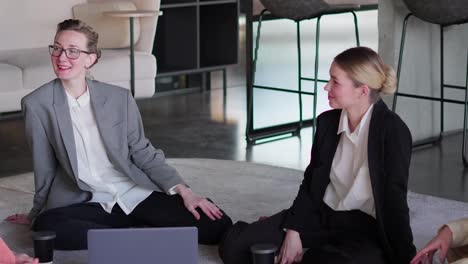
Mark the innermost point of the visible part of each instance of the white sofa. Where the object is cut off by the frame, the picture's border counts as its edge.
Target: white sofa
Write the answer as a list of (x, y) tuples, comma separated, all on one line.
[(27, 27)]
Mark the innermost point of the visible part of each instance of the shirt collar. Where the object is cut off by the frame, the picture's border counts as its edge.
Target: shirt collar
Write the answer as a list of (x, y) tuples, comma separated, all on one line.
[(81, 101), (344, 123)]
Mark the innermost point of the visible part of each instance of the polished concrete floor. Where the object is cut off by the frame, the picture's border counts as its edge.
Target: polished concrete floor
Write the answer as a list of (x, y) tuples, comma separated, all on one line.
[(211, 124)]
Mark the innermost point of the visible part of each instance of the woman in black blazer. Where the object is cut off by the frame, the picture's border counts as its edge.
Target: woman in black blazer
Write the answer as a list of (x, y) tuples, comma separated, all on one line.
[(351, 206)]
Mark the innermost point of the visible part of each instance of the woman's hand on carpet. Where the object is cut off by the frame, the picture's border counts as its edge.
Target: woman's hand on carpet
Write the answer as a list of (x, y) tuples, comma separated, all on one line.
[(291, 250), (20, 219), (441, 242), (25, 259), (192, 201)]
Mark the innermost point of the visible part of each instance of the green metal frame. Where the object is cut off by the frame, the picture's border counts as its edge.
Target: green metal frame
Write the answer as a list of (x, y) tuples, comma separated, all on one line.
[(442, 98), (132, 59), (293, 128)]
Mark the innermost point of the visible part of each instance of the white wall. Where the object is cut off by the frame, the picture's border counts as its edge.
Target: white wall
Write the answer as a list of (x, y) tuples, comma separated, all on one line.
[(421, 67)]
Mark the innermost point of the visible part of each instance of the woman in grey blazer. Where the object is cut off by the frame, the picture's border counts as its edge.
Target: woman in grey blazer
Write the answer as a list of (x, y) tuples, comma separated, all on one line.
[(93, 166)]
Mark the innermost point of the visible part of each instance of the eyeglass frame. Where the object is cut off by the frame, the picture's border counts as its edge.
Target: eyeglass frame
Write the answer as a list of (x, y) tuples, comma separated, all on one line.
[(52, 47)]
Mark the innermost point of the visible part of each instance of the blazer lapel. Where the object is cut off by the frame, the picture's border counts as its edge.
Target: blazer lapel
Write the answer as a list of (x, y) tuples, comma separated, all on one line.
[(62, 113), (330, 141), (100, 109), (374, 147), (102, 112)]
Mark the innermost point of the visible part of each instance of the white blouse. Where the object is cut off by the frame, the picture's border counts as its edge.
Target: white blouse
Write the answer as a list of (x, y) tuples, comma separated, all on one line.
[(350, 186), (94, 167)]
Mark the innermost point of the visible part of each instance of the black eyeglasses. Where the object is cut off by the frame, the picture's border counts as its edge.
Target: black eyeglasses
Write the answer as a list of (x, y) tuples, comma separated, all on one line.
[(71, 53)]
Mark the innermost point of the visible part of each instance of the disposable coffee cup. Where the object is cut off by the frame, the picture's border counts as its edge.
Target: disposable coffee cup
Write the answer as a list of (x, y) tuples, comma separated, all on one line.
[(263, 253), (44, 246)]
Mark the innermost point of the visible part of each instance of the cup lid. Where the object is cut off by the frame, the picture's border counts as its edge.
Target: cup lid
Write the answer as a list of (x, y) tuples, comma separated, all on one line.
[(263, 248), (43, 235)]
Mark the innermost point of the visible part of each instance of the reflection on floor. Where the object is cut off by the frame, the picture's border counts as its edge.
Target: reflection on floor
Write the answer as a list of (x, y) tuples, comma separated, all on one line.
[(212, 125)]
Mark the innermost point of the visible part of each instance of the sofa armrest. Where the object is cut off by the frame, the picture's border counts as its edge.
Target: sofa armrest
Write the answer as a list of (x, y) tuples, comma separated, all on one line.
[(147, 24)]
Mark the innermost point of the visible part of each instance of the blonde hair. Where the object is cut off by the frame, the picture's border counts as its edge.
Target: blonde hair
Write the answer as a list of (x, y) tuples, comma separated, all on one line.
[(92, 36), (364, 66)]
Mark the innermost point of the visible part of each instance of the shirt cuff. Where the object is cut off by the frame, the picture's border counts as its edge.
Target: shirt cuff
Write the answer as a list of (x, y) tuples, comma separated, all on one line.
[(172, 191), (459, 232)]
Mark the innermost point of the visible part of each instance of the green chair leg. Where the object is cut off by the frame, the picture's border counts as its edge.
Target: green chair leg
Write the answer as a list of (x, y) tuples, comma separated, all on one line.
[(299, 71), (465, 162)]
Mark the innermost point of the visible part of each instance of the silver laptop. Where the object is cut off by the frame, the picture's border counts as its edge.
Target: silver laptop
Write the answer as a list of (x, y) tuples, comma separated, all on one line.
[(174, 245)]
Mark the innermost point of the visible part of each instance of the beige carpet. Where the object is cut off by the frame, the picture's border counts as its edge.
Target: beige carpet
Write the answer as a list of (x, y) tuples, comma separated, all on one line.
[(244, 190)]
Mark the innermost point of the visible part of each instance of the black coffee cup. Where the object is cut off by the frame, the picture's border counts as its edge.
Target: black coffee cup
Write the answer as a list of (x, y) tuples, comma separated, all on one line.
[(263, 253), (44, 246)]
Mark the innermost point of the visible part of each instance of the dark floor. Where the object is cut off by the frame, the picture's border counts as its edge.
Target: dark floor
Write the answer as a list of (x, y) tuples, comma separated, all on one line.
[(203, 125)]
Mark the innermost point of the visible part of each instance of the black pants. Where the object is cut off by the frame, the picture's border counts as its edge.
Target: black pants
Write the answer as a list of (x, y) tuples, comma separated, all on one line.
[(71, 223), (332, 237)]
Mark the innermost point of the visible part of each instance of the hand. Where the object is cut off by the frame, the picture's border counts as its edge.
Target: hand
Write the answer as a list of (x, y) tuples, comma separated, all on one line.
[(291, 250), (20, 219), (25, 259), (441, 242), (193, 201)]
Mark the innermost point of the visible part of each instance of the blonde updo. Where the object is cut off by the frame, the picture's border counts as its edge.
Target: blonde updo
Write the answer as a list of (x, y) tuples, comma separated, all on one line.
[(364, 66)]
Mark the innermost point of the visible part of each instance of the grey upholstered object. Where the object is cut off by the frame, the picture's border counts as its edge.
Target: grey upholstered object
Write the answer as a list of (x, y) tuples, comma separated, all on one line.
[(442, 12), (303, 9)]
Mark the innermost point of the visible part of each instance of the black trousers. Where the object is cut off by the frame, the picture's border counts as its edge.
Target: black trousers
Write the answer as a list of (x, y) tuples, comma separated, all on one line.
[(332, 237), (71, 223)]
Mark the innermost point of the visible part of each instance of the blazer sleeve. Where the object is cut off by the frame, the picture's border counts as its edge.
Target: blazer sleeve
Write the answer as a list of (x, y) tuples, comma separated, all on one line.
[(147, 158), (459, 230), (296, 218), (398, 147), (44, 160)]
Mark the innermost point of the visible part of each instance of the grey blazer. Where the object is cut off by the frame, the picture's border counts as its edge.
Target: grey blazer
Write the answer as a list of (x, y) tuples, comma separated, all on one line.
[(49, 133)]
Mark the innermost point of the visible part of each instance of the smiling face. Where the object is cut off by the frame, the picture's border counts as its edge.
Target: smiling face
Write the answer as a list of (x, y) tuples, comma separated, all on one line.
[(71, 69), (342, 92)]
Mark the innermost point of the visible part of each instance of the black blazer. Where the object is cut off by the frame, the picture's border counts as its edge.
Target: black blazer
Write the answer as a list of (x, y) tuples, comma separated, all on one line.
[(389, 155)]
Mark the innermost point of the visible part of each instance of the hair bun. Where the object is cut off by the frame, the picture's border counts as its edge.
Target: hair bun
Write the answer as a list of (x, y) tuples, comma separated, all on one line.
[(390, 82)]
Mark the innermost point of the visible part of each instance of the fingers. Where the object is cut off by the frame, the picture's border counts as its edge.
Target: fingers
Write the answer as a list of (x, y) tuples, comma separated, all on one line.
[(18, 219), (194, 212), (207, 207), (11, 217), (279, 259), (443, 253), (418, 258), (431, 256), (424, 256), (25, 259), (298, 258), (208, 213), (215, 210), (210, 209), (282, 257)]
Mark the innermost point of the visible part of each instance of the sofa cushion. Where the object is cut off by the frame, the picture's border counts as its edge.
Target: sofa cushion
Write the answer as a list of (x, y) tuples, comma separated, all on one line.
[(10, 78), (114, 66), (11, 88), (114, 32), (35, 64)]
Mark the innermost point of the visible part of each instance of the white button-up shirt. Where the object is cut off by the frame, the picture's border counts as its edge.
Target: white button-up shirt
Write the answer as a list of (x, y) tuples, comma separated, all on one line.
[(94, 166), (350, 186)]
